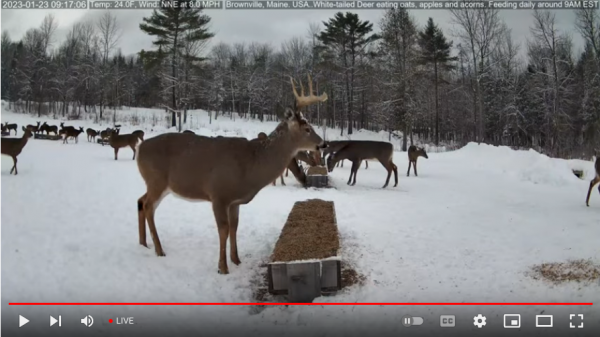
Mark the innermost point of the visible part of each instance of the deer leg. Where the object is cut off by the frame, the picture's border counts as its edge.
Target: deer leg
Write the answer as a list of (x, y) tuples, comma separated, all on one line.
[(142, 220), (282, 182), (389, 167), (14, 168), (220, 211), (587, 199), (234, 216), (151, 203), (116, 152), (395, 168), (408, 172), (287, 171), (366, 164), (415, 168), (133, 149), (355, 168), (352, 173)]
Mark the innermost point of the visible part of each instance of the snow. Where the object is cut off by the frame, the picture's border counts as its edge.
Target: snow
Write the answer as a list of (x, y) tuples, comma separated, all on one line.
[(467, 229)]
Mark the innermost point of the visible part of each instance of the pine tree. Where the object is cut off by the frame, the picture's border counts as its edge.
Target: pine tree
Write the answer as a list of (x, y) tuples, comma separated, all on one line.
[(173, 27), (435, 50)]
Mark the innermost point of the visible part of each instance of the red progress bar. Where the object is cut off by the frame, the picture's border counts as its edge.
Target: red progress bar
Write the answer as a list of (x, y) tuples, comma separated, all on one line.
[(220, 303)]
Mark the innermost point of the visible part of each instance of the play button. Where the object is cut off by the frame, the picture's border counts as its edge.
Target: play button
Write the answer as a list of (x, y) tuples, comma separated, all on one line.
[(22, 321)]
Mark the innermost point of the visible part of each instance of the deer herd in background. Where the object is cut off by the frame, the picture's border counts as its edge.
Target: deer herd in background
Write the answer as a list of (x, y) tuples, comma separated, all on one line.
[(338, 151)]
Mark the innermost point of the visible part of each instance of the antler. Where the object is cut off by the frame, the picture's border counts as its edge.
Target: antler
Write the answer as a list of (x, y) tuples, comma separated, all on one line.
[(301, 100)]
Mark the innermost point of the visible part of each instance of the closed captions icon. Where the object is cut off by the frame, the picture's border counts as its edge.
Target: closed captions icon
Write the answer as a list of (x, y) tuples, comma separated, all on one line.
[(447, 321)]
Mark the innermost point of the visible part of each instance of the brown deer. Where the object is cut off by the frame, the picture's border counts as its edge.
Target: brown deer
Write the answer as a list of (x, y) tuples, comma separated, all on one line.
[(73, 133), (228, 172), (139, 134), (33, 128), (49, 128), (335, 146), (294, 164), (595, 180), (11, 127), (358, 150), (105, 134), (13, 146), (91, 134), (117, 141), (312, 158), (414, 152)]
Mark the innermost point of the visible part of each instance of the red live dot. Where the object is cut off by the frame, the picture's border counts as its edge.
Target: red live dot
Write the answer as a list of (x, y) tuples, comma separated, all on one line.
[(110, 320)]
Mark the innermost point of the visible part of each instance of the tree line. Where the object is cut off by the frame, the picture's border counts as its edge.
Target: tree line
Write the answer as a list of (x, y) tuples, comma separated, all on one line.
[(394, 75)]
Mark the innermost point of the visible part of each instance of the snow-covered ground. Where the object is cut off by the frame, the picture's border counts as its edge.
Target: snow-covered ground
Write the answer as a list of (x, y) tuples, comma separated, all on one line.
[(467, 229)]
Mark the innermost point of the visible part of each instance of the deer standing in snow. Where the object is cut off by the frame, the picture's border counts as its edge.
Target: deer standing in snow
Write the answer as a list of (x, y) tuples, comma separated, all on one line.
[(226, 171), (414, 153), (358, 150), (595, 180), (13, 146)]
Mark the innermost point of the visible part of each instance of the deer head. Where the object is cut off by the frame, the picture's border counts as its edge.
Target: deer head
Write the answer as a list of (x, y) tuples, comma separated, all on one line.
[(422, 152)]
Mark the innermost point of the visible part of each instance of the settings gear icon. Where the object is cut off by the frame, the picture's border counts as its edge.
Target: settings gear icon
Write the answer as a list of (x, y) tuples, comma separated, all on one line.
[(479, 321)]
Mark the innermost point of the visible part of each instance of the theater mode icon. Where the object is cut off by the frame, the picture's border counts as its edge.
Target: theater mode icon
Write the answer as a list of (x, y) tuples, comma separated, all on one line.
[(544, 321)]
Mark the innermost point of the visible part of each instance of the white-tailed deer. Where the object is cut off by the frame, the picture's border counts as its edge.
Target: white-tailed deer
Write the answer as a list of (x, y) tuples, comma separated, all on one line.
[(49, 128), (336, 145), (33, 128), (13, 146), (117, 141), (358, 150), (11, 127), (294, 166), (91, 134), (73, 133), (414, 153), (228, 172), (595, 180)]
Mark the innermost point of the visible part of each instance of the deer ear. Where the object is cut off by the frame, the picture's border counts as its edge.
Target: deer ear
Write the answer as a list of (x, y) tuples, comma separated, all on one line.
[(289, 114)]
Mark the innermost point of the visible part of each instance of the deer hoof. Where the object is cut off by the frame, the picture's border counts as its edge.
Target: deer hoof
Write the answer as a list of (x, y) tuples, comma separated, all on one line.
[(223, 272), (144, 244), (160, 253), (236, 260)]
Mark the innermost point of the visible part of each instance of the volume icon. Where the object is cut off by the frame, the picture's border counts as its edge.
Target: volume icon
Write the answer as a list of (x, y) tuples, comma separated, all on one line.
[(87, 321)]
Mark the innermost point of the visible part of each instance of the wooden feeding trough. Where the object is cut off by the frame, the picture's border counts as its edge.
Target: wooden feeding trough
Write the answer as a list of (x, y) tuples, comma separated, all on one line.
[(102, 141), (305, 262), (316, 176), (46, 136)]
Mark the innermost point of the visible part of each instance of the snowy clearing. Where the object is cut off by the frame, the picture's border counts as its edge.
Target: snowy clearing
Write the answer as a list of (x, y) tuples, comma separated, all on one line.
[(467, 229)]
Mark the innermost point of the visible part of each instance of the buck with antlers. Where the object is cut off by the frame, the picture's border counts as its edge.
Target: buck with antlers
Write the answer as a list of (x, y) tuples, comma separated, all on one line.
[(596, 179), (228, 172), (358, 150), (13, 146), (414, 153)]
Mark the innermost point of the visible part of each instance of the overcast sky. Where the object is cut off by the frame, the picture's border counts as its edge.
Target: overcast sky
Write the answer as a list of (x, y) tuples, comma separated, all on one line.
[(265, 26)]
